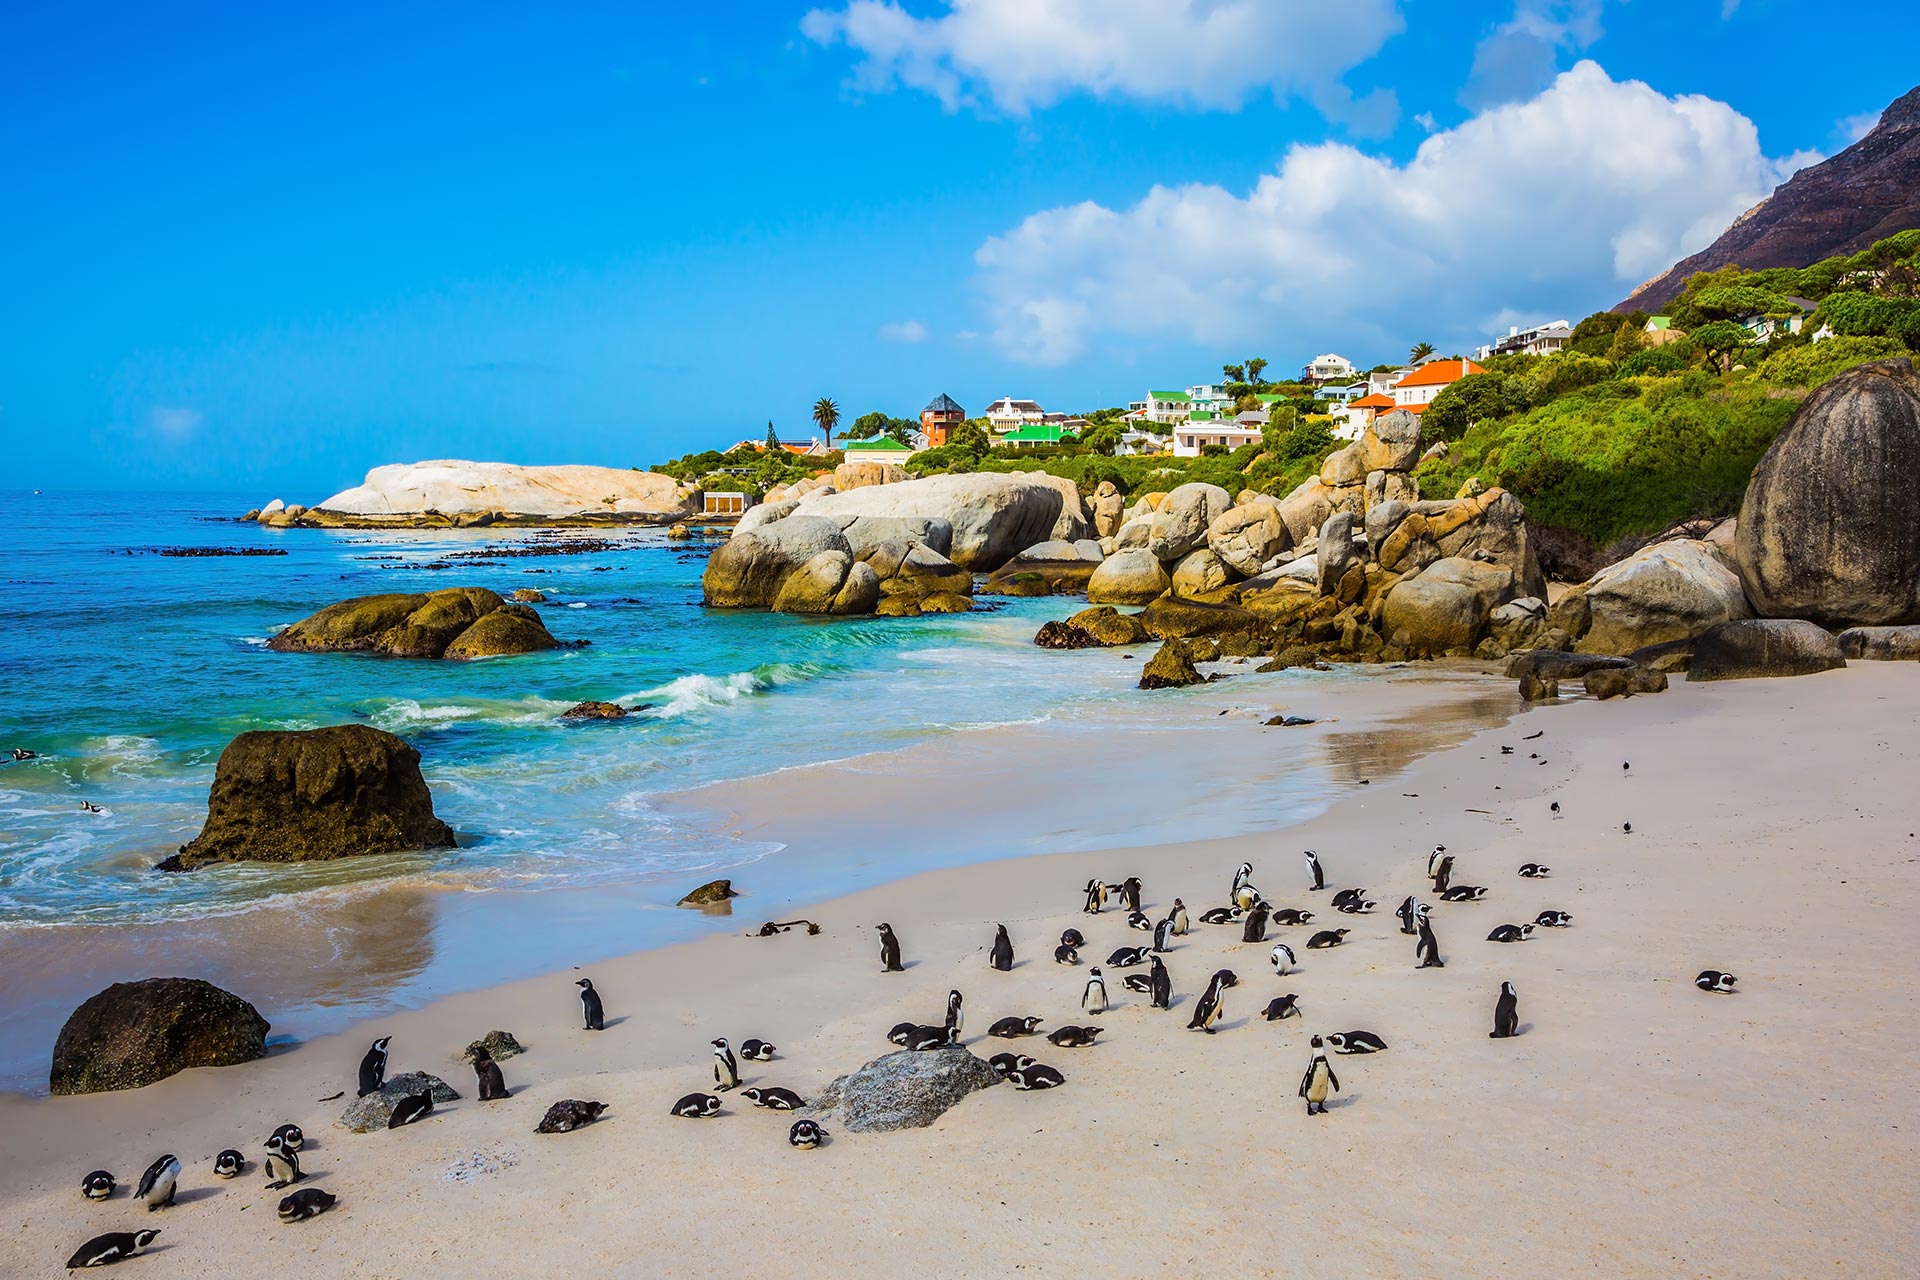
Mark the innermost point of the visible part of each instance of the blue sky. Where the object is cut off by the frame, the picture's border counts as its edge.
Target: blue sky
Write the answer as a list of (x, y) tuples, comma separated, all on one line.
[(261, 248)]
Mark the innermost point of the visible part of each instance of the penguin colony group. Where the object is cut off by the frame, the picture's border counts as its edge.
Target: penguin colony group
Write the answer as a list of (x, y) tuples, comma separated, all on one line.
[(1246, 907)]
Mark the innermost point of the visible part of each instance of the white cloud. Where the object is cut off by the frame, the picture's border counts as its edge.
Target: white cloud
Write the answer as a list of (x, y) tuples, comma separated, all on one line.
[(175, 424), (903, 331), (1853, 128), (1553, 205), (1020, 54), (1522, 55)]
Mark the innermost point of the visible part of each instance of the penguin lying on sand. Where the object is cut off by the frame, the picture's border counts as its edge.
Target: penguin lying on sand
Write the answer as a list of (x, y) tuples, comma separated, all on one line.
[(1010, 1028), (1356, 1042), (114, 1246), (1279, 1007), (1037, 1076), (805, 1135), (1714, 980), (1072, 1037), (697, 1106), (1510, 933), (774, 1098), (308, 1202), (97, 1185)]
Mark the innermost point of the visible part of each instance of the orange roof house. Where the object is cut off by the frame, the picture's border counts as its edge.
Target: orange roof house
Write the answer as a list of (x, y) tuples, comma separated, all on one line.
[(1417, 389)]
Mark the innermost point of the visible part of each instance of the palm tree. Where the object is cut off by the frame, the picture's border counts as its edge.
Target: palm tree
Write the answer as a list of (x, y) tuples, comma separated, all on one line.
[(1421, 350), (1234, 372), (826, 416), (1256, 367)]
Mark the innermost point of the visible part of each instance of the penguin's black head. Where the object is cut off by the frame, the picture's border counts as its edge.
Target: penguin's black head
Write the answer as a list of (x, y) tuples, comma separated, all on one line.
[(884, 928), (1318, 1043), (141, 1239), (381, 1043), (719, 1042), (585, 984)]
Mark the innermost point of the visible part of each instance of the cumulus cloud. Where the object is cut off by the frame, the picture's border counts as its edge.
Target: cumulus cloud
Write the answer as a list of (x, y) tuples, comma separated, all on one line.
[(1539, 208), (175, 423), (903, 331), (1522, 55), (1016, 55)]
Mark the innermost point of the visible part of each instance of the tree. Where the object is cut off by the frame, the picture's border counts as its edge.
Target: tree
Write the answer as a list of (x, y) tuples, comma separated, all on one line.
[(773, 438), (866, 426), (1720, 339), (826, 416), (1421, 350), (1233, 372), (970, 438), (1256, 367), (1460, 404)]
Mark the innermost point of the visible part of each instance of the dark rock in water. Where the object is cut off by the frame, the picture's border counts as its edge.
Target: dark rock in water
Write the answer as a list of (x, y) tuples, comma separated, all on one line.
[(1055, 634), (569, 1114), (458, 623), (1170, 668), (1109, 626), (905, 1090), (1535, 687), (1170, 617), (498, 1044), (1291, 722), (195, 552), (591, 710), (1881, 644), (1294, 655), (1624, 682), (375, 1110), (1764, 647), (311, 794), (135, 1033), (528, 595), (1830, 526), (712, 893), (1556, 664)]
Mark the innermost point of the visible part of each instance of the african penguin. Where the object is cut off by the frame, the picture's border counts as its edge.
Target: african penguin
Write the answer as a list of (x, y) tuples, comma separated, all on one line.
[(726, 1068), (1160, 986), (1179, 917), (1094, 998), (1427, 949), (1283, 1007), (1553, 919), (1037, 1076), (1001, 955), (1130, 894), (97, 1185), (1443, 873), (1072, 938), (1209, 1009), (411, 1109), (1506, 1013), (1072, 1037), (1358, 906), (1356, 1042), (1714, 980), (1291, 916), (590, 1009), (1408, 911), (697, 1106), (1140, 920), (1220, 915), (902, 1030), (158, 1183), (289, 1136), (282, 1165), (757, 1050), (1066, 955), (1127, 957), (1433, 860), (1282, 957), (923, 1039), (956, 1014), (112, 1247), (774, 1098), (1254, 927), (889, 950), (1327, 938), (1342, 898), (1246, 897), (228, 1164), (1096, 897), (1243, 875), (805, 1134), (1319, 877), (373, 1067), (1511, 933), (1012, 1028), (1163, 935), (1463, 893), (1005, 1062), (308, 1202), (1534, 871), (493, 1085), (1319, 1080)]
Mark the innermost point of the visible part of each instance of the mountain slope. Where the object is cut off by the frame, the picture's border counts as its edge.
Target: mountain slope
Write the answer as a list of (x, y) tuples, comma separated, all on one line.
[(1841, 205)]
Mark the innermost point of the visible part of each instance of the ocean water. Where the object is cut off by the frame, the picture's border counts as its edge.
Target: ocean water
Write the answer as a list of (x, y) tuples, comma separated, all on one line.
[(127, 670)]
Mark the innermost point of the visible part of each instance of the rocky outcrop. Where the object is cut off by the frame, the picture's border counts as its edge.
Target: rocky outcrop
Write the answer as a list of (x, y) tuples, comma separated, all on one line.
[(1109, 626), (1056, 634), (1841, 205), (303, 795), (858, 475), (916, 579), (459, 623), (1764, 647), (832, 582), (591, 710), (993, 517), (711, 894), (1830, 527), (1249, 536), (905, 1090), (1881, 644), (1181, 520), (1109, 510), (1170, 668), (375, 1111), (1668, 591), (1128, 577), (1555, 664), (498, 1045), (1054, 567), (1624, 682), (135, 1033), (446, 493), (1432, 618), (748, 571)]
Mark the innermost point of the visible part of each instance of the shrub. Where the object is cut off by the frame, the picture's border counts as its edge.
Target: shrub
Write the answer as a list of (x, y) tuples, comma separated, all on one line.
[(1672, 357), (1809, 366)]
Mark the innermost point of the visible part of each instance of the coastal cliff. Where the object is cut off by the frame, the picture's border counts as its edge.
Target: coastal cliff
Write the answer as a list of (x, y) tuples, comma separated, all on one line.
[(449, 493)]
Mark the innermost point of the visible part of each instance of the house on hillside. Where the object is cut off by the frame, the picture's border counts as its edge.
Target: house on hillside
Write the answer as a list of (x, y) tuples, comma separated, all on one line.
[(1203, 428), (1354, 417), (879, 449), (1383, 382), (1008, 414), (1765, 327), (1165, 407), (724, 503), (1541, 340), (1417, 390), (1135, 442), (814, 448), (1328, 368), (1034, 435), (1340, 395), (1210, 397), (941, 416)]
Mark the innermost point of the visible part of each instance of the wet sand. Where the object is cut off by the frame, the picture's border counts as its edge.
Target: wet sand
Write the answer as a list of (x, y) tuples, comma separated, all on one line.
[(1637, 1126)]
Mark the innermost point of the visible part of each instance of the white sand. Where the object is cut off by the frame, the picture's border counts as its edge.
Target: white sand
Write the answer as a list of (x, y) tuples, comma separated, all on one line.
[(1639, 1127)]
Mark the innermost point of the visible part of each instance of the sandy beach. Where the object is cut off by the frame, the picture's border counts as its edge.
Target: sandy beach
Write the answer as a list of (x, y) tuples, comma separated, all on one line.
[(1637, 1127)]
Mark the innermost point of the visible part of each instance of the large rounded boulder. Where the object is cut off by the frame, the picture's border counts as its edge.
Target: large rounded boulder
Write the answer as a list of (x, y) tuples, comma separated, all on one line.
[(1669, 591), (1128, 577), (1757, 648), (304, 795), (748, 572), (1181, 521), (457, 623), (135, 1033), (1830, 528), (993, 517)]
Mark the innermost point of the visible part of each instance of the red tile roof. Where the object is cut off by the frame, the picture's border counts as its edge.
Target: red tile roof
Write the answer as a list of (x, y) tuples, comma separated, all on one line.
[(1438, 373), (1378, 400)]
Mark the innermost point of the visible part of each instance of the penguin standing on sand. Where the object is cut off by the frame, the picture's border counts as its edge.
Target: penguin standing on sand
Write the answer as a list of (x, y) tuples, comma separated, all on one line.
[(158, 1183), (1161, 996), (282, 1165), (1506, 1014), (1313, 870), (290, 1137), (1094, 998), (1096, 897), (1319, 1080), (590, 1008), (110, 1248), (1409, 913), (1282, 957), (889, 951), (1442, 873), (1210, 1008), (493, 1085), (1427, 949), (1001, 957), (726, 1068), (1163, 935), (1241, 878), (373, 1067), (1433, 860), (1254, 929), (1178, 915), (1130, 893), (956, 1014)]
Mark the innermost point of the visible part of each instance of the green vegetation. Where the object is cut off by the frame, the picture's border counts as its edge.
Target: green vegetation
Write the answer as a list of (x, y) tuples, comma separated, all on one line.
[(826, 416), (869, 425), (747, 469)]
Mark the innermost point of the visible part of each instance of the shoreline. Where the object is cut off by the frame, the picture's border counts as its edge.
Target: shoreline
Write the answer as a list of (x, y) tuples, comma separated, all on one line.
[(1769, 839)]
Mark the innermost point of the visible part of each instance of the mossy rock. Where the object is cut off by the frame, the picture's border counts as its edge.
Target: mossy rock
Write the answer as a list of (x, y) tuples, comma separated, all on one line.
[(135, 1033), (500, 634), (946, 602), (711, 894), (459, 622), (1110, 626), (1171, 668)]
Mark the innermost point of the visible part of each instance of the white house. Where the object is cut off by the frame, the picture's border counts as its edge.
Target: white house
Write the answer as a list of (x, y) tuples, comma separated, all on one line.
[(1328, 368), (1196, 433), (1764, 328), (1167, 407), (1341, 396), (1541, 340), (1417, 390), (1008, 414), (1135, 442), (1382, 383), (878, 449), (1210, 397)]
